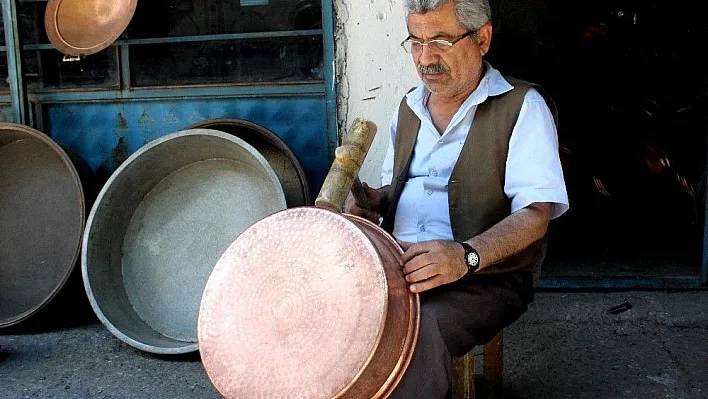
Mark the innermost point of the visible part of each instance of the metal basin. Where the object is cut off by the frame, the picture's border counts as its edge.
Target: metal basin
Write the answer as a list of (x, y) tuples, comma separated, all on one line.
[(41, 221), (276, 152), (159, 226)]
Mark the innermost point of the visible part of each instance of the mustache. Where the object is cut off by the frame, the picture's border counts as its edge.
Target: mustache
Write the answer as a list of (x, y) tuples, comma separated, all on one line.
[(435, 68)]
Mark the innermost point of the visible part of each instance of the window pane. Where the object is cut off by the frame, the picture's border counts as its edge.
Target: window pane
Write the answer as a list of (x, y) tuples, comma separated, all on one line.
[(46, 69), (162, 18), (31, 22), (288, 59)]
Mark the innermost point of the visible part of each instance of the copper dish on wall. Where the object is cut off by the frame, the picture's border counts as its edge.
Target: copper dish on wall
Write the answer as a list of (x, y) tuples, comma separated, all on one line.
[(310, 303), (83, 27)]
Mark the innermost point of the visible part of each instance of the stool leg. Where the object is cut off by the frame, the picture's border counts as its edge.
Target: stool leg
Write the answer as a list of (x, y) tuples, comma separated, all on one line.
[(463, 376), (494, 365)]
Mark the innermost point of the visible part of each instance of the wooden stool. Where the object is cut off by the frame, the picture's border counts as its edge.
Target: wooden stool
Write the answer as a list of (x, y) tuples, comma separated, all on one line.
[(463, 378)]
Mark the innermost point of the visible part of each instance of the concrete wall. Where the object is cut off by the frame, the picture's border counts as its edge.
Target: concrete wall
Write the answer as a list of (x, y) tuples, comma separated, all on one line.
[(373, 71)]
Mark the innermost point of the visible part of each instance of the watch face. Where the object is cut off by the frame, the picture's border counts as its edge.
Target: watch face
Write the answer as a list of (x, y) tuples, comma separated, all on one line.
[(472, 259)]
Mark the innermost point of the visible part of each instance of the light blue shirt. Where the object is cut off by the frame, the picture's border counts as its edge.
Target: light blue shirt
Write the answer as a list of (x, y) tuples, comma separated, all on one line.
[(533, 168)]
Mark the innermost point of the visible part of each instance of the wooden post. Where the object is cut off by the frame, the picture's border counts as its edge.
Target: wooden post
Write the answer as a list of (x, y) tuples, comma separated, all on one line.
[(463, 376), (494, 366)]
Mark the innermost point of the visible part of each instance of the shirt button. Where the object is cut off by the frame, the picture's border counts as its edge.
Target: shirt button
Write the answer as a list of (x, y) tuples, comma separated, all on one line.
[(429, 192), (422, 229), (440, 141), (434, 173)]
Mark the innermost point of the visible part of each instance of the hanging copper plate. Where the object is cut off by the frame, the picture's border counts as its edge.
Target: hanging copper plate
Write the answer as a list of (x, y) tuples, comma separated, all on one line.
[(308, 303), (84, 27)]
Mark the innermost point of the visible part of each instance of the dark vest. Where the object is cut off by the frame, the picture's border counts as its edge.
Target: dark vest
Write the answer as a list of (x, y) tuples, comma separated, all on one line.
[(476, 195)]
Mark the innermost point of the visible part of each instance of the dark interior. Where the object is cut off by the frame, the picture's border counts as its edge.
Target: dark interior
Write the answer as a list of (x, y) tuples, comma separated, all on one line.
[(630, 84)]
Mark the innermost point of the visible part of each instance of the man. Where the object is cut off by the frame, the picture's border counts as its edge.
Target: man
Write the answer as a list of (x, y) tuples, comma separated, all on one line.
[(471, 179)]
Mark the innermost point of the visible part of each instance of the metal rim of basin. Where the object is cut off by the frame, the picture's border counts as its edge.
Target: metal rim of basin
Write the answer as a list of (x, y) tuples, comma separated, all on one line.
[(124, 315)]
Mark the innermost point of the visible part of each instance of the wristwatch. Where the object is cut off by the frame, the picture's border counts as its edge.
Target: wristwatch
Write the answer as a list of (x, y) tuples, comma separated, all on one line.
[(471, 258)]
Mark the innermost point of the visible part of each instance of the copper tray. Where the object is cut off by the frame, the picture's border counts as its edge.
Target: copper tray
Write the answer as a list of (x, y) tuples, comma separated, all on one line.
[(84, 27)]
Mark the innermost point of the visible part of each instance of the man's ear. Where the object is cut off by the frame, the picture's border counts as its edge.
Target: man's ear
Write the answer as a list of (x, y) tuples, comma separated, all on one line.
[(484, 38)]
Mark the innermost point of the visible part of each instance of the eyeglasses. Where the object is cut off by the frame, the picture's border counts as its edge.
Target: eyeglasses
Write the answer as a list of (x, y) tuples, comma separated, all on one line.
[(437, 46)]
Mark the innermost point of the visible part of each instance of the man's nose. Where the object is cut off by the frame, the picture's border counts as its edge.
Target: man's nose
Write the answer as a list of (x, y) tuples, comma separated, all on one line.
[(427, 56)]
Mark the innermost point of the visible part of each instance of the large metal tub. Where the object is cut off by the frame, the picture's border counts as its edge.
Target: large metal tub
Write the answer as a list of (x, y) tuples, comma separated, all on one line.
[(42, 215), (159, 226)]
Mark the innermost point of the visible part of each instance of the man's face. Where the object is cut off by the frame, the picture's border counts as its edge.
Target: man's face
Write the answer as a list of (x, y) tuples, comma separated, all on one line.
[(457, 70)]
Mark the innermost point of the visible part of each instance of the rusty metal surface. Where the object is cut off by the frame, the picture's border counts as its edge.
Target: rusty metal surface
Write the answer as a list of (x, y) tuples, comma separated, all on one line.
[(41, 221), (84, 27), (283, 161), (160, 225), (308, 303)]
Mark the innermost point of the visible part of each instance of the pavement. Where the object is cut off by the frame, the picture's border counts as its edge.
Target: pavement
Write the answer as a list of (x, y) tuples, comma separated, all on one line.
[(567, 346)]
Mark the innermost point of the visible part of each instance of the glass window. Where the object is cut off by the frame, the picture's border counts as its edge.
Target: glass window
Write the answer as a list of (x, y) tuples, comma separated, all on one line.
[(46, 69), (166, 18), (280, 59)]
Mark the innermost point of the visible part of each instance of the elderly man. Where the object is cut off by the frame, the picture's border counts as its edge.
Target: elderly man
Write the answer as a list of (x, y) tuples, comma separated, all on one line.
[(471, 179)]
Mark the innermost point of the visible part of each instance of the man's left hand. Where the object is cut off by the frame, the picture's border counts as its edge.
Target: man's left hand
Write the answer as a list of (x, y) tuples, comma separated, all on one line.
[(430, 264)]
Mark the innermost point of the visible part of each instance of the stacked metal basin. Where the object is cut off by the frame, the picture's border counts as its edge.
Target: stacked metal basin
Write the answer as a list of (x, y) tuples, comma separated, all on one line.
[(42, 215), (159, 226)]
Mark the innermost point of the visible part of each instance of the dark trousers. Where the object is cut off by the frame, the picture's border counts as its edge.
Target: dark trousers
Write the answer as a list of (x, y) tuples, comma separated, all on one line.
[(454, 319)]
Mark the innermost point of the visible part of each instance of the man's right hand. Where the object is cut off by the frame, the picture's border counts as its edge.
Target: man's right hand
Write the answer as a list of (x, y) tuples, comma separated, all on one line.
[(376, 199)]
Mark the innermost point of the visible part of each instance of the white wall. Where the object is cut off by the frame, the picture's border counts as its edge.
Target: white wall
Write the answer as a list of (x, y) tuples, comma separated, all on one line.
[(373, 71)]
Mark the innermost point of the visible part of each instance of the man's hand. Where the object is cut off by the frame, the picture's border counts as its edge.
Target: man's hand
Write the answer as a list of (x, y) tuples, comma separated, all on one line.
[(376, 198), (430, 264)]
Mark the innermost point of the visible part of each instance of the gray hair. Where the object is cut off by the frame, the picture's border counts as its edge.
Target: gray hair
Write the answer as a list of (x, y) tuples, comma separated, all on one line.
[(471, 14)]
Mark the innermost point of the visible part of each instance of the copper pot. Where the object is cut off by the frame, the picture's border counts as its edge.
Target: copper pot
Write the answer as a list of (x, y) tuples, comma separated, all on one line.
[(310, 303)]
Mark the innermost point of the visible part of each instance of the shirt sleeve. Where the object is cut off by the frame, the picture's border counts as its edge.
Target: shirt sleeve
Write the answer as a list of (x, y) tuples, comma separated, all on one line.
[(387, 166), (533, 168)]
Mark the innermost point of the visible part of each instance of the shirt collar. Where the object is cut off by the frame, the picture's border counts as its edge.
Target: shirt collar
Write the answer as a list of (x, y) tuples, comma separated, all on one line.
[(491, 84)]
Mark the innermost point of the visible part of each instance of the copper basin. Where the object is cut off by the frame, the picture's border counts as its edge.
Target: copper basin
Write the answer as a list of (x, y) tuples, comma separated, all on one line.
[(308, 303)]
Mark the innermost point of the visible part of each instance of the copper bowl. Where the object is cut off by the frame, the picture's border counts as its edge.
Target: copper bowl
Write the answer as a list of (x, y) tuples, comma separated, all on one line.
[(308, 303)]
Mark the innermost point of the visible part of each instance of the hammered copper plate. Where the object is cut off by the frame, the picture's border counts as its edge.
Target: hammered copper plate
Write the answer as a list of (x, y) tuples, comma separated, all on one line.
[(41, 221), (84, 27), (295, 308)]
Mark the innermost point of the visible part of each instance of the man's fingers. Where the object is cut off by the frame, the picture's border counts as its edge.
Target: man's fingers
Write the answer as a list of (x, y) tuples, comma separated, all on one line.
[(414, 251), (424, 273), (419, 261), (369, 214), (428, 284)]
